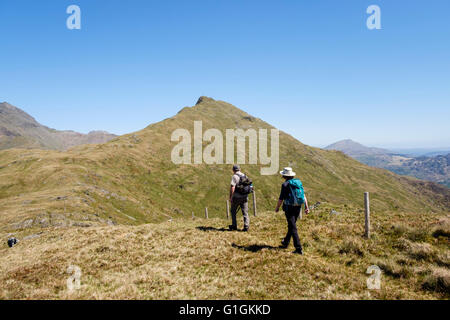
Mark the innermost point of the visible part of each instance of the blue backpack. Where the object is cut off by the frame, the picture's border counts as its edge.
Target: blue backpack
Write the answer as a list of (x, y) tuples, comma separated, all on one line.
[(296, 195)]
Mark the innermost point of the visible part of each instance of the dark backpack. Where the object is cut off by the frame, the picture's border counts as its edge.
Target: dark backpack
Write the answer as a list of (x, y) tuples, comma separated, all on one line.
[(244, 186), (12, 242)]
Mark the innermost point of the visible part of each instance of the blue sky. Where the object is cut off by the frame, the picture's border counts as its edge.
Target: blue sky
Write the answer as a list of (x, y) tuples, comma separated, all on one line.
[(311, 68)]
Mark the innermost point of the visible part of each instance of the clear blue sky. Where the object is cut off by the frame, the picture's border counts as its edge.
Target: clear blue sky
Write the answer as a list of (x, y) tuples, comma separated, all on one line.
[(311, 68)]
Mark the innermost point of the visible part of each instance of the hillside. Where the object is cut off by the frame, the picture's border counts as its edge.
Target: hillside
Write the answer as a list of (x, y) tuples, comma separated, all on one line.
[(19, 130), (132, 180), (432, 168), (91, 206), (436, 168)]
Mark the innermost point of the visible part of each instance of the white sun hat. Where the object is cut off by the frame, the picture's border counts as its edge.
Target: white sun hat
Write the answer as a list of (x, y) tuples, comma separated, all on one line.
[(287, 172)]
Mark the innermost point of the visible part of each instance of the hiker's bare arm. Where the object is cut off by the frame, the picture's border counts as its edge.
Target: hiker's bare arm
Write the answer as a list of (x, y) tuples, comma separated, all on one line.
[(280, 202), (231, 192), (306, 206)]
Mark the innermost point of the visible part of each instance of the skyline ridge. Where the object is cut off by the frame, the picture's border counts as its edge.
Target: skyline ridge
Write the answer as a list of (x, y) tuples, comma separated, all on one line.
[(204, 97)]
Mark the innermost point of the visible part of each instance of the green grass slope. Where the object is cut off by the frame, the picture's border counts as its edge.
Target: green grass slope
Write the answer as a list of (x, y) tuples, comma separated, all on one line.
[(131, 179)]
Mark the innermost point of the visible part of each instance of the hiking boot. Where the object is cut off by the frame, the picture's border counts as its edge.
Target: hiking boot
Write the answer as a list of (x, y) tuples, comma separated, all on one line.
[(232, 228), (298, 251), (283, 245), (245, 229)]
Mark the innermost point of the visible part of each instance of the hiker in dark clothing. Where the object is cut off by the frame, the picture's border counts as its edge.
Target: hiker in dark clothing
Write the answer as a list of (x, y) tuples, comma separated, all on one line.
[(238, 199), (292, 197)]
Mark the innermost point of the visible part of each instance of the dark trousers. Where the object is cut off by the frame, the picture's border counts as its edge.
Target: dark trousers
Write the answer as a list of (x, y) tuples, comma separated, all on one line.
[(292, 214)]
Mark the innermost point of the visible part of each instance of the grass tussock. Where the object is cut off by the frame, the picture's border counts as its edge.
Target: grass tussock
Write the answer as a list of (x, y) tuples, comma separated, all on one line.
[(422, 251), (396, 269), (438, 281), (352, 246), (442, 229), (402, 230)]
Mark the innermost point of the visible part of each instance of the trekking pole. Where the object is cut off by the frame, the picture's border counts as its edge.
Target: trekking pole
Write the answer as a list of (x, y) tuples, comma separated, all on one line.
[(228, 209), (206, 213)]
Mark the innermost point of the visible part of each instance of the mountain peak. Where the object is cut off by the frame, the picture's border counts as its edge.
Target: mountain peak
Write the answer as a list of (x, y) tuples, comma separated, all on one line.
[(204, 99), (347, 142), (6, 105)]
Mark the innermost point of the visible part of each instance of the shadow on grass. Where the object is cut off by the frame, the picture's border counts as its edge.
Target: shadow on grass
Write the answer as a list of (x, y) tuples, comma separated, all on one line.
[(206, 229), (255, 247)]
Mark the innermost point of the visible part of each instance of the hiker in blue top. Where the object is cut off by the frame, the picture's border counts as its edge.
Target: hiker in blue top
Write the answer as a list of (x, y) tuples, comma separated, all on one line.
[(292, 197)]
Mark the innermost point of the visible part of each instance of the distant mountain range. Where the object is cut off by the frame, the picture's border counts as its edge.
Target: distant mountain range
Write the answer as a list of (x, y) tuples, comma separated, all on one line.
[(432, 168), (20, 130), (420, 152)]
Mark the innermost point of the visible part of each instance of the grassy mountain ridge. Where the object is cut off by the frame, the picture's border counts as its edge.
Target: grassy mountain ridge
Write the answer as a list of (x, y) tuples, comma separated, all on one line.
[(19, 130), (131, 179)]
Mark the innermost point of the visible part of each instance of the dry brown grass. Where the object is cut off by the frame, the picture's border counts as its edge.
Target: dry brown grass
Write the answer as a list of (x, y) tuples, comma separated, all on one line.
[(438, 281), (396, 268), (442, 228), (196, 259), (422, 251)]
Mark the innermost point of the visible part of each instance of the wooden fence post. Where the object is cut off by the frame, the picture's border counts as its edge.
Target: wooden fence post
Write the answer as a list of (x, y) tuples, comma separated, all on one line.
[(228, 209), (206, 213), (367, 214), (254, 203)]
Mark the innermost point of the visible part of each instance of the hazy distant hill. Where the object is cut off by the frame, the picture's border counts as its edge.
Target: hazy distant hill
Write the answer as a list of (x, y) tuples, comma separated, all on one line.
[(19, 130), (354, 148), (434, 168), (374, 157)]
